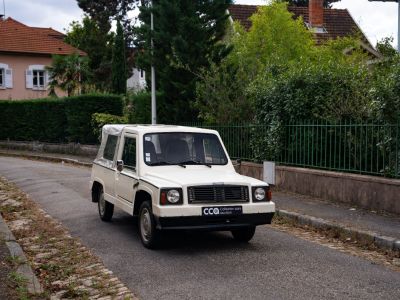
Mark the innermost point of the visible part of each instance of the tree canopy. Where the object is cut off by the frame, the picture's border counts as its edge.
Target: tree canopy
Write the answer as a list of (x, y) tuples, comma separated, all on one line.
[(187, 37), (118, 73), (88, 37), (68, 73)]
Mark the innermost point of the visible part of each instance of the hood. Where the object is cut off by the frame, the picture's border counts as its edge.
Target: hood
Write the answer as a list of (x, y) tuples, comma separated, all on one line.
[(193, 175)]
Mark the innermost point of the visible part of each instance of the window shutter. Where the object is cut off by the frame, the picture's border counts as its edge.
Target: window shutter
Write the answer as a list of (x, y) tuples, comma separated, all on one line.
[(28, 79), (9, 78), (48, 78)]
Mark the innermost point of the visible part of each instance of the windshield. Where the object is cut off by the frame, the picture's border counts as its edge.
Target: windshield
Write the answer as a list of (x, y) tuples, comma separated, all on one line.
[(183, 148)]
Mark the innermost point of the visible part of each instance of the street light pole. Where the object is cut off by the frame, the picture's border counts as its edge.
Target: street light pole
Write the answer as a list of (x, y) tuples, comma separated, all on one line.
[(398, 19), (153, 76)]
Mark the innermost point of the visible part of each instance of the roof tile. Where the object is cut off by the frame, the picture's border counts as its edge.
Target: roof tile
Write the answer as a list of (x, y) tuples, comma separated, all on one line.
[(337, 22), (17, 37)]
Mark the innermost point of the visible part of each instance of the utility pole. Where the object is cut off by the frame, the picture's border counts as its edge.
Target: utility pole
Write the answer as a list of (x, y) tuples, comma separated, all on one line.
[(153, 75), (398, 19)]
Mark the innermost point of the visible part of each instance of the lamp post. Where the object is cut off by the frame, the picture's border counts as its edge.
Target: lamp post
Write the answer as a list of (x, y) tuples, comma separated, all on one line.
[(398, 19), (153, 76)]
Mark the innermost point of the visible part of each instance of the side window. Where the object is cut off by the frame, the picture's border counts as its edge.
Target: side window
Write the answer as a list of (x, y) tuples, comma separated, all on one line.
[(109, 149), (129, 153)]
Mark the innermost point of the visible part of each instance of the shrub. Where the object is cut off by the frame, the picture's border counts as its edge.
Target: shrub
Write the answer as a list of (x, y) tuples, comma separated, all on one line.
[(329, 92), (100, 119)]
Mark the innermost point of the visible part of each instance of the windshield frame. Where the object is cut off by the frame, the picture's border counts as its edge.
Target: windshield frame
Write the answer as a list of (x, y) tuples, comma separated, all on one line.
[(225, 155)]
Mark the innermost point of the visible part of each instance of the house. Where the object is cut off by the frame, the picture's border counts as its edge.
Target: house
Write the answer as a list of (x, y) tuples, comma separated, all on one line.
[(325, 23), (137, 80), (24, 53)]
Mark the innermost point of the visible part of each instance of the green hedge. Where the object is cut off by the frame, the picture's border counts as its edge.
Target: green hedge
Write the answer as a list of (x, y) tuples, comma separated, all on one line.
[(55, 120), (79, 111), (140, 111)]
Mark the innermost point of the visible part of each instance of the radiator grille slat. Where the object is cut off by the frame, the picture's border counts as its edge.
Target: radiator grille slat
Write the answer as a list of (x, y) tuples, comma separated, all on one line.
[(218, 193)]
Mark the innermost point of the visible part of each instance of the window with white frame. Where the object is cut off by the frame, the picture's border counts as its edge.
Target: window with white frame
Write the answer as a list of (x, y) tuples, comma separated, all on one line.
[(6, 77), (39, 80)]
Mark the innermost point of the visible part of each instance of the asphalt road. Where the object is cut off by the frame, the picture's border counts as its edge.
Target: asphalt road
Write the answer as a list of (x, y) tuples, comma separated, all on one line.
[(274, 265)]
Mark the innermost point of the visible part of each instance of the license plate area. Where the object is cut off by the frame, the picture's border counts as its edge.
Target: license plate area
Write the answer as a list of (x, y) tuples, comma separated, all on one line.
[(218, 211)]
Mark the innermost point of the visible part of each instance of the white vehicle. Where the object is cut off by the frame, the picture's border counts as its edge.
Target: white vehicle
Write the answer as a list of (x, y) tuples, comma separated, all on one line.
[(174, 178)]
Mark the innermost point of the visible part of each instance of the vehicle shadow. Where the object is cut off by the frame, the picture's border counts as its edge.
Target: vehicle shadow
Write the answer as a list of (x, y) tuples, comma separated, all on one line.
[(184, 240)]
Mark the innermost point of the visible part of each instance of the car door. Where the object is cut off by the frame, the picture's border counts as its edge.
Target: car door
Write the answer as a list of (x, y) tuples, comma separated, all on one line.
[(127, 180)]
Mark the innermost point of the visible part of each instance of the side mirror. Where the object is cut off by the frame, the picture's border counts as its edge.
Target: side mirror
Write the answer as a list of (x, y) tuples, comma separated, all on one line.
[(120, 165)]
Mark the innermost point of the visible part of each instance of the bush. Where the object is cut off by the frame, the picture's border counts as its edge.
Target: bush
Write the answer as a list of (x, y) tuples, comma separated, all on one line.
[(329, 92), (100, 119), (79, 111), (55, 120), (28, 120)]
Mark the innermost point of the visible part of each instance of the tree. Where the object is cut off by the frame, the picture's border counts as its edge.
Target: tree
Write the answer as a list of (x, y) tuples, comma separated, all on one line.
[(327, 3), (103, 12), (187, 37), (222, 91), (68, 73), (88, 37), (232, 91), (118, 74)]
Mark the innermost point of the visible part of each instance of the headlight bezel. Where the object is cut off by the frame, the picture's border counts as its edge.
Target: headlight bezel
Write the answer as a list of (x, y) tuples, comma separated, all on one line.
[(267, 194), (164, 196)]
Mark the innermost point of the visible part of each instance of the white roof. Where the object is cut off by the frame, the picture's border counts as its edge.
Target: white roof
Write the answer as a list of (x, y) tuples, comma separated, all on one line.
[(116, 129)]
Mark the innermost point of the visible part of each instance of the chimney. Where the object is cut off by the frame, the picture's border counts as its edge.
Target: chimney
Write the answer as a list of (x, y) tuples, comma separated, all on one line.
[(316, 13)]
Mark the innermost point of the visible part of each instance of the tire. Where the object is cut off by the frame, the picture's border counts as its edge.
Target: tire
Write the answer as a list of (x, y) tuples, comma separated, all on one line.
[(149, 234), (106, 209), (244, 235)]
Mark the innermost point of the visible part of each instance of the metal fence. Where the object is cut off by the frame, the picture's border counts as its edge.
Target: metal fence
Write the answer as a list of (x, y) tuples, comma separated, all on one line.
[(358, 148)]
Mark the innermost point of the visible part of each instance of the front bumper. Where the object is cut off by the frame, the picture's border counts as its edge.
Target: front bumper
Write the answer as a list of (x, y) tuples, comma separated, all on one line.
[(213, 223)]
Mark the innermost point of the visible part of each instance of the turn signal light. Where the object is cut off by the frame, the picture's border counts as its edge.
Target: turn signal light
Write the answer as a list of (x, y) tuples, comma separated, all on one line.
[(269, 195), (163, 198)]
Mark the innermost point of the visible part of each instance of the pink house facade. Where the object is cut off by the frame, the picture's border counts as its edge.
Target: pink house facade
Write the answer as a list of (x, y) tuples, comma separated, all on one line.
[(24, 54)]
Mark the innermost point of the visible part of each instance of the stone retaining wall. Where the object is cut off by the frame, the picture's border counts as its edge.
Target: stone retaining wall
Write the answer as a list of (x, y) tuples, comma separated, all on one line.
[(70, 148), (370, 192)]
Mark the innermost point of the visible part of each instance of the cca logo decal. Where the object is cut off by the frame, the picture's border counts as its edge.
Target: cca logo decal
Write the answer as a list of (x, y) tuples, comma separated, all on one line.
[(211, 211)]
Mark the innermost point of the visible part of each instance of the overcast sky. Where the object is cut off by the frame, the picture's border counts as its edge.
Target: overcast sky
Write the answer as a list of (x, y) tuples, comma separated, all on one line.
[(376, 19)]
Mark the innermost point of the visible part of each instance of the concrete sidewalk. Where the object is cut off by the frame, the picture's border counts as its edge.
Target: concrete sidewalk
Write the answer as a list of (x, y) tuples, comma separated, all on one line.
[(368, 227)]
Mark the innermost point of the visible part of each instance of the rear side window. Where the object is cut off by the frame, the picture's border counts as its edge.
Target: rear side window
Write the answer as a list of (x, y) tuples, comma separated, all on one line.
[(111, 144)]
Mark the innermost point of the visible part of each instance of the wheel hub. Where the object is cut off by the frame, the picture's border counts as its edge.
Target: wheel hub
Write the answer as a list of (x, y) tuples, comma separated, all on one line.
[(145, 224)]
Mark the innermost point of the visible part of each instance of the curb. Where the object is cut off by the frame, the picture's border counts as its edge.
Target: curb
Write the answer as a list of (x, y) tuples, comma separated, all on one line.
[(24, 269), (47, 158), (365, 237)]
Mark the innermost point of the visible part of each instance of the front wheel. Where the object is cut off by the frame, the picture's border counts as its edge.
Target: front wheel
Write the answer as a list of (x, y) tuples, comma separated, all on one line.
[(244, 234), (106, 209), (148, 232)]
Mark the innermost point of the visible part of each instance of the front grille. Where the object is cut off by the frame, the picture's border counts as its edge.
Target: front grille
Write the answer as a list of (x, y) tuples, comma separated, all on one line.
[(218, 193)]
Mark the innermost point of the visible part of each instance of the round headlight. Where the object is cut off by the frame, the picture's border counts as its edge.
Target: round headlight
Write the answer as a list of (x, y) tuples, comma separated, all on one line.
[(173, 196), (259, 194)]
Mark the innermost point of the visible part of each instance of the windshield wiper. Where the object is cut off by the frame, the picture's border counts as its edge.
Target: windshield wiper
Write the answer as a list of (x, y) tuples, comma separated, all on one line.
[(160, 163), (188, 162), (165, 163)]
